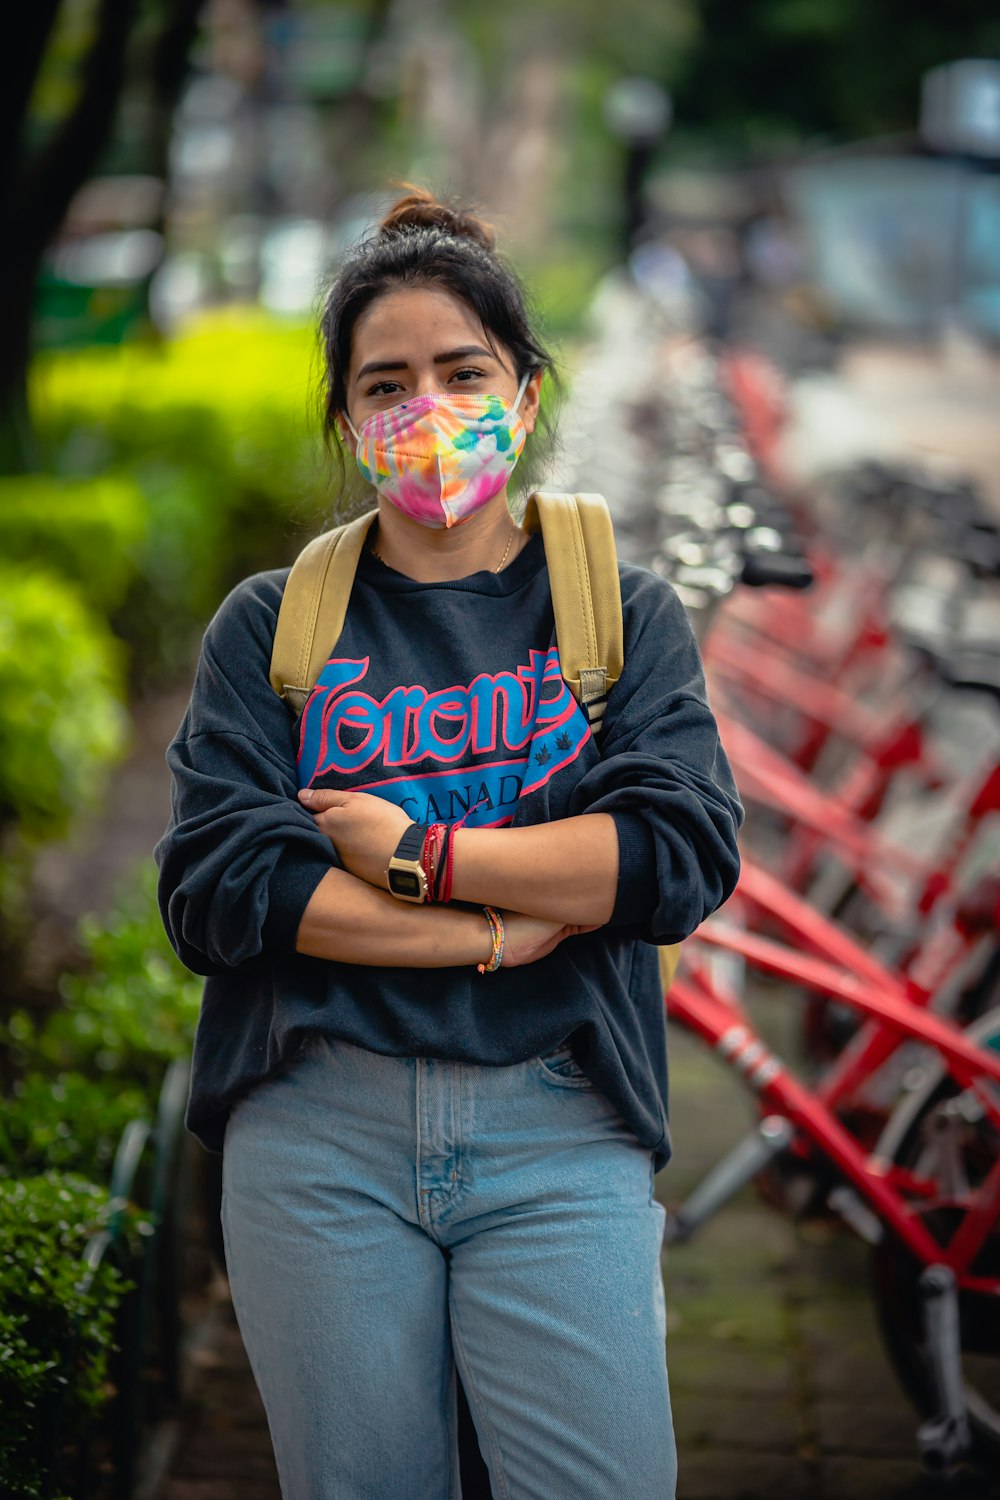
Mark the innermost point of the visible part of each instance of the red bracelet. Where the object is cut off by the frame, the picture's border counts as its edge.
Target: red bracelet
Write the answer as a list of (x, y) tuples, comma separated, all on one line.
[(432, 858)]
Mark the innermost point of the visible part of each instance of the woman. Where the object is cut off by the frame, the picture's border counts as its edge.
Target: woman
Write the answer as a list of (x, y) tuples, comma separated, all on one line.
[(441, 1118)]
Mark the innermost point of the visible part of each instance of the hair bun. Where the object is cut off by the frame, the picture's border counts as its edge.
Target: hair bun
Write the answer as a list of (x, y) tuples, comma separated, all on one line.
[(419, 209)]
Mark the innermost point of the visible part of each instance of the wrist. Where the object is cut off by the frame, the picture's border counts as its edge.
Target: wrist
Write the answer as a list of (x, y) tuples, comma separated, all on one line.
[(405, 875), (437, 862), (497, 936)]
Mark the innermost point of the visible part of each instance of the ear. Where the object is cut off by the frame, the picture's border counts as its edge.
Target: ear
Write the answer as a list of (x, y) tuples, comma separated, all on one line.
[(346, 435), (530, 401)]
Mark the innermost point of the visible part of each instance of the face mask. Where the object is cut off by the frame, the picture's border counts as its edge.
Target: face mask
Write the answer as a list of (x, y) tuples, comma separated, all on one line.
[(440, 459)]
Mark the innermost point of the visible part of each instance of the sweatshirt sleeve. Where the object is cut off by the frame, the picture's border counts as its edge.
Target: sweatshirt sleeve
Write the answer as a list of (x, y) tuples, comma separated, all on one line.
[(240, 856), (663, 775)]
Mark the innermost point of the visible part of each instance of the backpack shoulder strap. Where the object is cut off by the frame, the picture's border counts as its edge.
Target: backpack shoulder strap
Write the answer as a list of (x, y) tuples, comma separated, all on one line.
[(586, 593), (313, 606), (587, 603)]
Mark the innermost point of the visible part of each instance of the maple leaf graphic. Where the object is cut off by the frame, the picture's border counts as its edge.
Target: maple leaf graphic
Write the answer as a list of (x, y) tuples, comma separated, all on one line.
[(562, 741), (542, 757)]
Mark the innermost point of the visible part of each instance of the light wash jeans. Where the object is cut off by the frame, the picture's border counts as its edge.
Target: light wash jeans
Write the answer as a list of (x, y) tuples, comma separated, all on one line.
[(386, 1218)]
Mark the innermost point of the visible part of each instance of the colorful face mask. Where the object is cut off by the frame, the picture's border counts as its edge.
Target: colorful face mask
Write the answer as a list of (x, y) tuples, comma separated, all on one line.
[(440, 459)]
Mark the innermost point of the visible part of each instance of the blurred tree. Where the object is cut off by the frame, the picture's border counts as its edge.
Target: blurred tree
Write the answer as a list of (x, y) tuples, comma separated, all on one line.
[(65, 73), (841, 68)]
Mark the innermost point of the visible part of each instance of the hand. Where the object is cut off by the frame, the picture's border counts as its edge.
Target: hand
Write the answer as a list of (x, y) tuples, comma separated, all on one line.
[(364, 829), (527, 939)]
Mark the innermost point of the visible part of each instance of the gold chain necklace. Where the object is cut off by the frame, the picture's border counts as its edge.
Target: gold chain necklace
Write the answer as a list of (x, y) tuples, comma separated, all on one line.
[(497, 569)]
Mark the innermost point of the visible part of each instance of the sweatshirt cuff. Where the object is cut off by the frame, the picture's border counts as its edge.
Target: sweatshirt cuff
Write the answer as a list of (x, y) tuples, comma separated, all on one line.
[(637, 891), (295, 876)]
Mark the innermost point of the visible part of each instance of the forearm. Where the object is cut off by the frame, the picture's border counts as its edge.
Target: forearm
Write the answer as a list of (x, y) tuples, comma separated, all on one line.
[(566, 871), (351, 922)]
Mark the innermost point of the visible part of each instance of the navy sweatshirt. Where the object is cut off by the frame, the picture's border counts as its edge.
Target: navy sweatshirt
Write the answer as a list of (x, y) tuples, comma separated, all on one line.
[(447, 699)]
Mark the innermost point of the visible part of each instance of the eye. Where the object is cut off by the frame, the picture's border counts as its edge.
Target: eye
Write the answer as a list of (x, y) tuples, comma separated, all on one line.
[(469, 371), (383, 388)]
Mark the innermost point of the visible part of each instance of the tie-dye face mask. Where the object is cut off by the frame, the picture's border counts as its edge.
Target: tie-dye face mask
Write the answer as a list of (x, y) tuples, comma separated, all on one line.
[(439, 459)]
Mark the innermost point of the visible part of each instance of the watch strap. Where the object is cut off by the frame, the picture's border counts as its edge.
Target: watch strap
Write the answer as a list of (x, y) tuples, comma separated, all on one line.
[(411, 845)]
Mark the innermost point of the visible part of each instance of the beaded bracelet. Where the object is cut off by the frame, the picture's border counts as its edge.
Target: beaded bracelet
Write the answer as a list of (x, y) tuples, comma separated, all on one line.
[(497, 932)]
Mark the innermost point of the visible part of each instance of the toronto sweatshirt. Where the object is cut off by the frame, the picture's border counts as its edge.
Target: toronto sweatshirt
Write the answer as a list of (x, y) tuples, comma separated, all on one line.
[(447, 699)]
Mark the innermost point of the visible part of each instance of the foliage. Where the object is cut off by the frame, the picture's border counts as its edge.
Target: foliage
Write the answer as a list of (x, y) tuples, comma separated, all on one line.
[(89, 530), (56, 1317), (82, 1073), (631, 37), (563, 288), (184, 571), (842, 68), (231, 399), (68, 1123), (219, 429), (62, 724), (131, 1010)]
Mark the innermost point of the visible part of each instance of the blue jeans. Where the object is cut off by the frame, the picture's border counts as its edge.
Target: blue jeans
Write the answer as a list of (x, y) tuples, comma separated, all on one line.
[(389, 1218)]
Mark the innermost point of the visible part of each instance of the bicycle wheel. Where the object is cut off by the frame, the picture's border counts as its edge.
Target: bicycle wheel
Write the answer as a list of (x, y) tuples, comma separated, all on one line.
[(939, 1117)]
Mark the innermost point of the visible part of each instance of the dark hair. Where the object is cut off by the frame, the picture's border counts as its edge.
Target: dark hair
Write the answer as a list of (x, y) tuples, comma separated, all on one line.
[(422, 242)]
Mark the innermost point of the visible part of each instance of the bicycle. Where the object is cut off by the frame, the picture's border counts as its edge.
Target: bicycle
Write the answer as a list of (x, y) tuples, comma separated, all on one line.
[(943, 1244)]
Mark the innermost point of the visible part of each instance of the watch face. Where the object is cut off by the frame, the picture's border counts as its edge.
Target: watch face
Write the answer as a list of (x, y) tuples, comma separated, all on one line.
[(405, 883)]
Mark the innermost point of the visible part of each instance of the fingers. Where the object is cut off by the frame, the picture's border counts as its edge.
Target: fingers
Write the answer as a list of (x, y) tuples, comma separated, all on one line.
[(320, 799)]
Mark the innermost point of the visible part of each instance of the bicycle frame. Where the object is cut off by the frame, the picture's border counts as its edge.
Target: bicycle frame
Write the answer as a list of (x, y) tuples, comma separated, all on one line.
[(765, 775), (696, 1003)]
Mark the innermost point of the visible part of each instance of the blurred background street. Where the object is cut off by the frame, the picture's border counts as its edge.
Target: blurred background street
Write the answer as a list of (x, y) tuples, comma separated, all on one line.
[(765, 243)]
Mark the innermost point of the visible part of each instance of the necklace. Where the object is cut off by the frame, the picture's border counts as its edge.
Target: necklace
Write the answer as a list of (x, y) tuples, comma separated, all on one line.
[(497, 569)]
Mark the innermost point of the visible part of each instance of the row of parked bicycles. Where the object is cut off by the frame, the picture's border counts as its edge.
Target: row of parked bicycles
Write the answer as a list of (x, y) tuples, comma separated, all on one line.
[(856, 689)]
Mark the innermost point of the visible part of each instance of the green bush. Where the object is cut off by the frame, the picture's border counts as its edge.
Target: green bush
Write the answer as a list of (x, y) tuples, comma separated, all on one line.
[(234, 398), (90, 531), (82, 1074), (69, 1123), (62, 723), (220, 431), (184, 572), (127, 1015), (56, 1318)]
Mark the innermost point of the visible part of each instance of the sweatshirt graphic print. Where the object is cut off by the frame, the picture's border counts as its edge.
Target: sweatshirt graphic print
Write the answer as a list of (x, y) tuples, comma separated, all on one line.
[(463, 754)]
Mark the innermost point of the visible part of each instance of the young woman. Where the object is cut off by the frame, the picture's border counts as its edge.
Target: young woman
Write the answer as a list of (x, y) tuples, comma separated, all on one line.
[(441, 1118)]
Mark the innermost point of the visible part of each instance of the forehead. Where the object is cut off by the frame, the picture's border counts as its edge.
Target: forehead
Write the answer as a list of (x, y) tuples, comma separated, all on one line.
[(413, 323)]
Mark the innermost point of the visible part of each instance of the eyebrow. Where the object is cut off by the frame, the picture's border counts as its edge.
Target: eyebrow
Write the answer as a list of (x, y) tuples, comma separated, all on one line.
[(377, 366)]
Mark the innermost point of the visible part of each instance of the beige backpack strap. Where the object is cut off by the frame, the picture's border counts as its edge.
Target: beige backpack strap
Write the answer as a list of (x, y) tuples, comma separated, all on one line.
[(586, 593), (670, 957), (313, 606), (586, 600)]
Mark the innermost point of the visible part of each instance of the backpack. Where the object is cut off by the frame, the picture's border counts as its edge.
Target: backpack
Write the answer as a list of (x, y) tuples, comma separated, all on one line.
[(586, 601)]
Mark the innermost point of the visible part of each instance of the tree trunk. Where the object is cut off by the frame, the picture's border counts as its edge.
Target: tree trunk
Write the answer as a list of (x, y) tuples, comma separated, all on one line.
[(38, 190), (18, 449)]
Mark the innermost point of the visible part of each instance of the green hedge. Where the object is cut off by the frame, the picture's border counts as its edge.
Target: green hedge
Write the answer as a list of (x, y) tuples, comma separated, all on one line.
[(80, 1075), (69, 1122), (234, 398), (56, 1318), (90, 531), (62, 722), (131, 1010), (219, 429)]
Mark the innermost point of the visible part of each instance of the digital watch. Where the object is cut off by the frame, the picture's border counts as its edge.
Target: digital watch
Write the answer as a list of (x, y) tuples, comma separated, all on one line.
[(405, 872)]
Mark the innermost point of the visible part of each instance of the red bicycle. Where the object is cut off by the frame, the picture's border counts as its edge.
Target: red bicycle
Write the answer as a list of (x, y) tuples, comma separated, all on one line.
[(925, 1193)]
